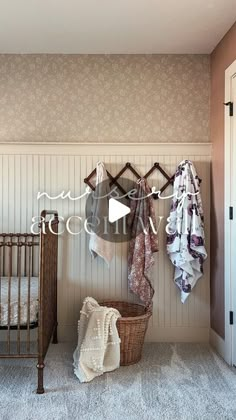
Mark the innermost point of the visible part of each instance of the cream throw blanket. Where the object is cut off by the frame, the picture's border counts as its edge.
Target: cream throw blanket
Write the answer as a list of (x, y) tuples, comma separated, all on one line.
[(98, 348)]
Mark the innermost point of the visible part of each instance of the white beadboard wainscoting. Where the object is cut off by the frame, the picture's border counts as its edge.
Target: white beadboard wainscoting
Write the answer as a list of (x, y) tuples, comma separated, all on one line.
[(26, 169)]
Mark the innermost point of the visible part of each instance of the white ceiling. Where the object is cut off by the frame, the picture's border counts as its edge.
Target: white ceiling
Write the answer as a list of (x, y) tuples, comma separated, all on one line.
[(114, 26)]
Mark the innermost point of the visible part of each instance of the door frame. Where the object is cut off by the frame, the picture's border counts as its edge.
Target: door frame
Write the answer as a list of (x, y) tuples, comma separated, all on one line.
[(229, 229)]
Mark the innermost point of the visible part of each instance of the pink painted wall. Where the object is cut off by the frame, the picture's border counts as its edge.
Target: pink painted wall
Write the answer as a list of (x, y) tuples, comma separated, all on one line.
[(222, 56)]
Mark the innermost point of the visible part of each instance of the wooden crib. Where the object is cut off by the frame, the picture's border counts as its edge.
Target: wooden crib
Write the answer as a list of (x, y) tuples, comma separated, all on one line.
[(28, 292)]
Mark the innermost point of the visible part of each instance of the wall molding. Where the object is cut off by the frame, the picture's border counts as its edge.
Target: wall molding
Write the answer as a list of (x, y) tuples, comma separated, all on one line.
[(106, 149), (218, 344)]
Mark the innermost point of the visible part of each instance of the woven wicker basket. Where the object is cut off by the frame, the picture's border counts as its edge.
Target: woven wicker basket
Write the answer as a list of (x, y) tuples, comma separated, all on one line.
[(132, 327)]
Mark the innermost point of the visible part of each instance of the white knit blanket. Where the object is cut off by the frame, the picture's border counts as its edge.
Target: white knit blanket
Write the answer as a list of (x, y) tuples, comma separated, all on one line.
[(98, 348)]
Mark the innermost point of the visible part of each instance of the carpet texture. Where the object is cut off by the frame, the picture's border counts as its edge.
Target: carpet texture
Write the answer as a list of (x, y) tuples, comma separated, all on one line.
[(173, 381)]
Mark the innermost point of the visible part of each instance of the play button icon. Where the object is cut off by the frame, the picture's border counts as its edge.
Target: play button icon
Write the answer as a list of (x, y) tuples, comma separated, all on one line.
[(106, 208), (117, 210)]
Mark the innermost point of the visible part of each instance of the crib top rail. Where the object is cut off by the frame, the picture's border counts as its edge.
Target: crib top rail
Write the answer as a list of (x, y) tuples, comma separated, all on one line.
[(18, 235), (19, 244), (19, 239), (28, 239)]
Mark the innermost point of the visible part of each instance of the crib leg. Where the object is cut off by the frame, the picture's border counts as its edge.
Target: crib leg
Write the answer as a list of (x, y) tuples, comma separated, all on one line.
[(54, 337), (40, 366)]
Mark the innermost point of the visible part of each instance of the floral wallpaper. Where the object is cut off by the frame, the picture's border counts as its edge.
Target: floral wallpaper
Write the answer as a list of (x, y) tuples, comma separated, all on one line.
[(104, 98)]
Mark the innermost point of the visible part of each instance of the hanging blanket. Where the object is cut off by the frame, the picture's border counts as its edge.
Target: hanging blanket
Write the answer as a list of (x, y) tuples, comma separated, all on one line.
[(99, 243), (98, 348), (143, 243), (185, 230)]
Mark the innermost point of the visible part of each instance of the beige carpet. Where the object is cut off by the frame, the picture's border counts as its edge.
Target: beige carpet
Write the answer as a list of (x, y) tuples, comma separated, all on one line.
[(173, 381)]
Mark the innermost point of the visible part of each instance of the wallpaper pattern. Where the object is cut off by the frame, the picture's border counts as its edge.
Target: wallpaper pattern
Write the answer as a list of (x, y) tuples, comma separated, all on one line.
[(104, 98)]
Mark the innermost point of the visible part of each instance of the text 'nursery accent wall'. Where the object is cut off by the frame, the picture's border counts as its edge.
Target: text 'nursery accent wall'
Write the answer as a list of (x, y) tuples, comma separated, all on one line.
[(104, 98)]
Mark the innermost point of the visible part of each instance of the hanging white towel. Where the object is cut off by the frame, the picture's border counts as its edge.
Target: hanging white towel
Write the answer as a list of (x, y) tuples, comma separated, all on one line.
[(185, 230), (101, 244), (98, 348)]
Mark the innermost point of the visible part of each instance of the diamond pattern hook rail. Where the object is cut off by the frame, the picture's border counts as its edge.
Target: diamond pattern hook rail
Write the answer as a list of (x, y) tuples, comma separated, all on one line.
[(128, 166), (113, 181), (170, 179)]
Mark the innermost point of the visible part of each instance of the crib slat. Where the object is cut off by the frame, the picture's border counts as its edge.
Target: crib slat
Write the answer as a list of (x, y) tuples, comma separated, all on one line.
[(3, 257), (28, 299), (9, 298), (25, 256), (32, 256), (19, 295)]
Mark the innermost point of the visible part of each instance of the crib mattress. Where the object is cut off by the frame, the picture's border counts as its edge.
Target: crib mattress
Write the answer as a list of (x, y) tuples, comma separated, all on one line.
[(34, 304)]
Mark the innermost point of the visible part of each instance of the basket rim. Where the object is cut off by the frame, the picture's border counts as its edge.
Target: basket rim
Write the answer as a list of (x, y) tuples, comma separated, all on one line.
[(147, 314)]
